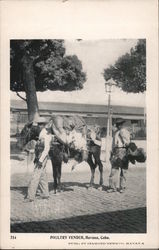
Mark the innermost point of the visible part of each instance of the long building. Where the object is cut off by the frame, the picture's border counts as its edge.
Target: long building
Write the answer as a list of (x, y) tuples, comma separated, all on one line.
[(92, 113)]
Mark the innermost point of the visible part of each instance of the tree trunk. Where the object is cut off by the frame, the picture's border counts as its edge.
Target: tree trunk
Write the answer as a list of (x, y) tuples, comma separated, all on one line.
[(29, 83)]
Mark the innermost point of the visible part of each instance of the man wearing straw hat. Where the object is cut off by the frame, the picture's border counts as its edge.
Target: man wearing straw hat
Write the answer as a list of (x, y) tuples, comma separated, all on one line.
[(119, 159), (39, 183)]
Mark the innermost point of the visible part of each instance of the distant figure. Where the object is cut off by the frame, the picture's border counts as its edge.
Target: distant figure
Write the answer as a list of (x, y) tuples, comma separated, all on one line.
[(94, 146), (39, 184), (119, 159)]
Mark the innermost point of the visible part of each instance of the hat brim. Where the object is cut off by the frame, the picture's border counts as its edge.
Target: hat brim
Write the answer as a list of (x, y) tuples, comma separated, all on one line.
[(119, 123)]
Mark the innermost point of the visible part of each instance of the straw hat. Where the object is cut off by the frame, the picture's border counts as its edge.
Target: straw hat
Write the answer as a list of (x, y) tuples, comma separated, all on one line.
[(41, 120), (119, 121)]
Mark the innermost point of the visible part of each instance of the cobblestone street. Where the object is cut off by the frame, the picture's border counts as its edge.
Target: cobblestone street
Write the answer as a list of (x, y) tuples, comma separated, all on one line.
[(79, 209)]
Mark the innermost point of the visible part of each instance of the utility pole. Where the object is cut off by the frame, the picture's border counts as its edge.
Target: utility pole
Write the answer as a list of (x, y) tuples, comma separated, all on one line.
[(108, 86)]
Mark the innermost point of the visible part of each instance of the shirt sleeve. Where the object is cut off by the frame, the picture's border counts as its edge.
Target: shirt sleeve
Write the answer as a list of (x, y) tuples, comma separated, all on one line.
[(125, 136), (47, 143), (98, 142), (42, 134)]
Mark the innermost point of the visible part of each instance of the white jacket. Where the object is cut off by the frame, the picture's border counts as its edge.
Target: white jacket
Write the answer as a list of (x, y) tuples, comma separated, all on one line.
[(121, 138), (46, 138)]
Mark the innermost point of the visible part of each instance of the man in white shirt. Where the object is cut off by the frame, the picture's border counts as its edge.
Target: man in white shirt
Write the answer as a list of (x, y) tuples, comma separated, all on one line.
[(119, 159), (39, 181)]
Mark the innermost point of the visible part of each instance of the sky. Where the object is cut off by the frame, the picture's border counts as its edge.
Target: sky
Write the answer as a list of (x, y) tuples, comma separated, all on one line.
[(95, 55)]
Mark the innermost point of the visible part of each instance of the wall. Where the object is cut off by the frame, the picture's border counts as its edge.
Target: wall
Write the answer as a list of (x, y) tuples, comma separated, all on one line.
[(137, 129)]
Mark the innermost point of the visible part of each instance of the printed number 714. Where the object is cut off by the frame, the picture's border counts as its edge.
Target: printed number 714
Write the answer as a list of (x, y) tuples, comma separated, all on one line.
[(13, 237)]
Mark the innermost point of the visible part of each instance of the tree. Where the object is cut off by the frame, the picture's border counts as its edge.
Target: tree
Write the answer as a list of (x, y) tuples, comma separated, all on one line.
[(39, 65), (129, 71)]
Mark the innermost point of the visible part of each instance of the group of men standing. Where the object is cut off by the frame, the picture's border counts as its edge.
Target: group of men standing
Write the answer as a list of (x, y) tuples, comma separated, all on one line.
[(119, 160)]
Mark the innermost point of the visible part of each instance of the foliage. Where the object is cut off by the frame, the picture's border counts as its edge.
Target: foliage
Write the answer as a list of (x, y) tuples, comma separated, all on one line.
[(53, 70), (129, 71)]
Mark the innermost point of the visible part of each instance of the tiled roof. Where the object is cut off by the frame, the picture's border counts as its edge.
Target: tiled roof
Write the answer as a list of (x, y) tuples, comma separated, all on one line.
[(79, 108)]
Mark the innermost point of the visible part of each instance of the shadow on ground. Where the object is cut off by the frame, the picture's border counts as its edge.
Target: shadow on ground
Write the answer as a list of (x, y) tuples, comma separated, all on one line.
[(17, 158), (68, 186), (126, 221), (21, 190), (65, 187)]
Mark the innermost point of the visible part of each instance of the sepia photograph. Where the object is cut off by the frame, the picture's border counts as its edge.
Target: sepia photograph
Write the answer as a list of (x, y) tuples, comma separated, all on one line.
[(78, 136), (79, 124)]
